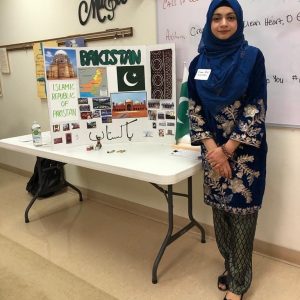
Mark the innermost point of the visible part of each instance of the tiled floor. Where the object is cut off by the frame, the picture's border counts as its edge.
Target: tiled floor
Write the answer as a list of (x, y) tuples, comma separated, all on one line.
[(114, 250)]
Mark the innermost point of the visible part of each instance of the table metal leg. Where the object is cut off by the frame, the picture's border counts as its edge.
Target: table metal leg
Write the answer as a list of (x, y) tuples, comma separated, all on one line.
[(28, 208), (169, 237), (190, 210), (74, 188), (41, 183)]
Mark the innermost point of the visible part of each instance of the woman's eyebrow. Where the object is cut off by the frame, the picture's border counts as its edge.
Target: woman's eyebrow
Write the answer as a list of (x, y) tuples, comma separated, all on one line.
[(228, 14)]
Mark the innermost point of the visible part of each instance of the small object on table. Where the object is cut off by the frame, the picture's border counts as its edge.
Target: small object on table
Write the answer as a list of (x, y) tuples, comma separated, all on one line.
[(98, 145), (90, 148)]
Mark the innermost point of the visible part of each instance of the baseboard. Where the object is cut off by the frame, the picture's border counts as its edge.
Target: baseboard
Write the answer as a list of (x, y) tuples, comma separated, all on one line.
[(16, 170), (284, 254), (142, 210), (267, 249), (260, 247)]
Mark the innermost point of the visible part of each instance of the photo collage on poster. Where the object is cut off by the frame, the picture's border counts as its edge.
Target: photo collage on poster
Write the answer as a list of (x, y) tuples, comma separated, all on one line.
[(105, 93)]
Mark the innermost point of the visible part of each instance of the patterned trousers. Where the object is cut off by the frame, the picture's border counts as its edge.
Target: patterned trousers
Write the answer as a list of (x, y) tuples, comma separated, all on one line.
[(234, 236)]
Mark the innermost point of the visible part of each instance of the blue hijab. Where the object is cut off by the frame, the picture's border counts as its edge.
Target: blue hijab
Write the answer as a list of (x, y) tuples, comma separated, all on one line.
[(230, 61)]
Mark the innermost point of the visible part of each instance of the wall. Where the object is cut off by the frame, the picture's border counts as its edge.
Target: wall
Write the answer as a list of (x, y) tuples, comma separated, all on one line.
[(21, 21)]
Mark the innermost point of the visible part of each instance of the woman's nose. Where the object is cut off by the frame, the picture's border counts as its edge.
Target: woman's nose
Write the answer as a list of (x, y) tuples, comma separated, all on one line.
[(223, 22)]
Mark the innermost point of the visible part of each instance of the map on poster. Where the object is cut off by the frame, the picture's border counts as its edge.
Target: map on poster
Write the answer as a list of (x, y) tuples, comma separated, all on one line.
[(92, 82), (112, 94)]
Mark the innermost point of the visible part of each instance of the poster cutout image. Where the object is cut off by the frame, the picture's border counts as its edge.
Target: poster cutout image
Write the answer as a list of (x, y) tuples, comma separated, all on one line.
[(92, 82), (101, 103), (129, 105), (69, 138), (60, 64), (131, 78), (161, 74)]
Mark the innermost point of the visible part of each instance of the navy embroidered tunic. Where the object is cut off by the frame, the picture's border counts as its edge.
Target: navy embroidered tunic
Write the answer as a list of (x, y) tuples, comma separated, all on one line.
[(243, 120)]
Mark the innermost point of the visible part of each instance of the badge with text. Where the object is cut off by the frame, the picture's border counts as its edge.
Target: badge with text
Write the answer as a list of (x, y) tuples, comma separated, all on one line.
[(202, 74)]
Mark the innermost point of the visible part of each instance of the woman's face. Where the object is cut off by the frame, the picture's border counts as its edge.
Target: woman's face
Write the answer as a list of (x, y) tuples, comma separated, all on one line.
[(224, 23)]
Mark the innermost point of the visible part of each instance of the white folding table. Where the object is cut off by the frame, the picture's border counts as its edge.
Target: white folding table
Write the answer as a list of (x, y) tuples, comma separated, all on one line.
[(158, 164)]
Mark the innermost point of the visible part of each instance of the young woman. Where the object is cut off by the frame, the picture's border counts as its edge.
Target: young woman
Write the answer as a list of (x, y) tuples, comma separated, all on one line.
[(227, 90)]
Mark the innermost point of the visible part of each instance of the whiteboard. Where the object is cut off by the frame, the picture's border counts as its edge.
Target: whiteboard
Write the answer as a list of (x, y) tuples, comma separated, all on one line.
[(273, 26)]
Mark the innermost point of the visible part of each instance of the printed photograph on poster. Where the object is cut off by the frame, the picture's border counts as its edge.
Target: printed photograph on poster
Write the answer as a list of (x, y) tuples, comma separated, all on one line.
[(170, 115), (66, 127), (91, 124), (96, 114), (84, 107), (75, 126), (152, 114), (107, 119), (167, 105), (160, 115), (58, 140), (60, 63), (129, 105), (86, 115), (106, 112), (161, 132), (56, 128), (101, 103), (153, 104), (170, 124), (83, 100), (92, 82), (170, 132), (68, 138)]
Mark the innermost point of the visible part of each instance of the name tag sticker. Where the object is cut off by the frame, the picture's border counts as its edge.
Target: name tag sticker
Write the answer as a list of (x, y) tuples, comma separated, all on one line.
[(202, 74)]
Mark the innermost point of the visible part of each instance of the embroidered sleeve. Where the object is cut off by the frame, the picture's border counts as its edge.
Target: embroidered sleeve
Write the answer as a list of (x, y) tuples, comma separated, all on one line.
[(250, 128), (198, 126), (198, 130)]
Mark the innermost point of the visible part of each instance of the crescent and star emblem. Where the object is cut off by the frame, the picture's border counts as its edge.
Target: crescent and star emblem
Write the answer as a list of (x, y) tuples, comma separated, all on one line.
[(181, 101), (127, 82)]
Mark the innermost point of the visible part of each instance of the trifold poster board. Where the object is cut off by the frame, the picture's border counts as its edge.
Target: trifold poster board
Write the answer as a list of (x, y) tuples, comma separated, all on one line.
[(117, 94)]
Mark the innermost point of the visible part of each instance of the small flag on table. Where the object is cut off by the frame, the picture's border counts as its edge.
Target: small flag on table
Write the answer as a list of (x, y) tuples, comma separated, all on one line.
[(183, 123)]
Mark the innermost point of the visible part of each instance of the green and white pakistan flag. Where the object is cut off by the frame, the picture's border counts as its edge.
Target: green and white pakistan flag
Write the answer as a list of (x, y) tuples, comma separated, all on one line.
[(183, 124)]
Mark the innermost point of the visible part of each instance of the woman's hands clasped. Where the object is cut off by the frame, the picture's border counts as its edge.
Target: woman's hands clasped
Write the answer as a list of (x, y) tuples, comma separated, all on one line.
[(219, 162)]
